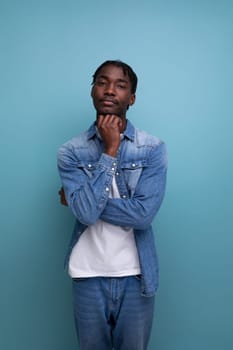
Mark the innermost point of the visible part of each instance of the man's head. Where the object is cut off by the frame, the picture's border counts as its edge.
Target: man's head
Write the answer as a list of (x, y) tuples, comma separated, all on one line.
[(127, 70), (114, 86)]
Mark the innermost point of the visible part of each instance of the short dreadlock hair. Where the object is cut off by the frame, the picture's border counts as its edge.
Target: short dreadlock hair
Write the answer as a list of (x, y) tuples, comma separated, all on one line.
[(127, 70)]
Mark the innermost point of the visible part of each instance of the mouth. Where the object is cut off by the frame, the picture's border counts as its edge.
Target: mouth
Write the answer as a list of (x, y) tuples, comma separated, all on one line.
[(108, 102)]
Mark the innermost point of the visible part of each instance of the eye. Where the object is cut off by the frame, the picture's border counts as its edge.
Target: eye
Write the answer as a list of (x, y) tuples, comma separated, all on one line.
[(100, 82), (121, 86)]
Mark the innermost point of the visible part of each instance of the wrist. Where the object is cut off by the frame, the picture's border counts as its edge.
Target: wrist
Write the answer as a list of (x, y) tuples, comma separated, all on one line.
[(111, 152)]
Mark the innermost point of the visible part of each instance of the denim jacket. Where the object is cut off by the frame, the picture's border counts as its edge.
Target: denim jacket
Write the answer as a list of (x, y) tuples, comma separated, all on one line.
[(140, 170)]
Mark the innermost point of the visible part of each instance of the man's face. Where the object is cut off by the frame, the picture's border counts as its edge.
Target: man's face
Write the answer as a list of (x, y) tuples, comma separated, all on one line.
[(111, 92)]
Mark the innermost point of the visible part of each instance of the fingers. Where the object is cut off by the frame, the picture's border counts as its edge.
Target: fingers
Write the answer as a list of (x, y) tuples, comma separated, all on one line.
[(109, 119), (62, 197), (109, 126)]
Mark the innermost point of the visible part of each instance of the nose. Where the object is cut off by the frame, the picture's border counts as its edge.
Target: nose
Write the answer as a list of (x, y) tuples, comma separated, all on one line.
[(110, 89)]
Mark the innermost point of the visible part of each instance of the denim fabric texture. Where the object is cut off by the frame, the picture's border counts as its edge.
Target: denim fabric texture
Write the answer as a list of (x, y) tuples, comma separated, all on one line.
[(110, 313), (140, 170)]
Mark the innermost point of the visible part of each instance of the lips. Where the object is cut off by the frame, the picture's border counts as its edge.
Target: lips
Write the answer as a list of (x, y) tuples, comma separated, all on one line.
[(108, 102)]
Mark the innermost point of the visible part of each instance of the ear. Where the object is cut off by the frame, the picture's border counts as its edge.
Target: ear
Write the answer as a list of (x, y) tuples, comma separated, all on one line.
[(132, 99), (92, 91)]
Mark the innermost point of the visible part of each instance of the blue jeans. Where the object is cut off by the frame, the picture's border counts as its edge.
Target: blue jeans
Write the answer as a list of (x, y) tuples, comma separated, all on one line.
[(110, 313)]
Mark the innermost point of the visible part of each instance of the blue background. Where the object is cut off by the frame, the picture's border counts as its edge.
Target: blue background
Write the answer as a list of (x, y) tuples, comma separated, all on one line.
[(182, 52)]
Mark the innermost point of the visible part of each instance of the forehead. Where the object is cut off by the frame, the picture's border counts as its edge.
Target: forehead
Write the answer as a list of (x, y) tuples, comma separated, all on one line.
[(112, 72)]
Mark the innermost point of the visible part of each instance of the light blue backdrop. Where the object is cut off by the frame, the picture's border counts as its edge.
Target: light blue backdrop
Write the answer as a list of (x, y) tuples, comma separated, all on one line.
[(182, 52)]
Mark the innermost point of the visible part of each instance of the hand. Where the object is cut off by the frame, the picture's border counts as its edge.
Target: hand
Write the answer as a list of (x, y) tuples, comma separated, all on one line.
[(110, 127), (62, 197)]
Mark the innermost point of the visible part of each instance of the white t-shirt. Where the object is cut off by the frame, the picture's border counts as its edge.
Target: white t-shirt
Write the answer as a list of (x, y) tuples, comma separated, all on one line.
[(105, 250)]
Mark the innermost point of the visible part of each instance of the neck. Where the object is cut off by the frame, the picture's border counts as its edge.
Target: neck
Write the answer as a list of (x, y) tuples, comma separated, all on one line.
[(124, 123)]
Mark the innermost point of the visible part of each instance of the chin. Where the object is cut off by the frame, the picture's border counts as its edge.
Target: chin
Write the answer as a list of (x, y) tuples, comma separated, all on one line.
[(107, 111)]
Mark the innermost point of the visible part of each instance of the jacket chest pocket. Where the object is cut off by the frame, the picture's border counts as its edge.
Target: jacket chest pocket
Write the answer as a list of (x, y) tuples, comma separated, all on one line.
[(132, 172), (88, 167)]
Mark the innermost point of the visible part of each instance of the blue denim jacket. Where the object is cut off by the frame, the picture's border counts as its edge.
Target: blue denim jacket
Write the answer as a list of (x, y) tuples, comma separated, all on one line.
[(140, 170)]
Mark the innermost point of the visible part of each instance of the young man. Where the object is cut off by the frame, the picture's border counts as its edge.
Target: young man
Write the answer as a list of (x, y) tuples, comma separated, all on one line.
[(113, 179)]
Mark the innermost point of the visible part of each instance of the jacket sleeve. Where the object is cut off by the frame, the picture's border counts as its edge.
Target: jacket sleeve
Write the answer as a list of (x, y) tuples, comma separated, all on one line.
[(85, 195), (138, 212)]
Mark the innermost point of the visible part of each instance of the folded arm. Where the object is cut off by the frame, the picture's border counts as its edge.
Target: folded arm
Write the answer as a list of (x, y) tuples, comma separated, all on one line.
[(138, 212), (86, 196)]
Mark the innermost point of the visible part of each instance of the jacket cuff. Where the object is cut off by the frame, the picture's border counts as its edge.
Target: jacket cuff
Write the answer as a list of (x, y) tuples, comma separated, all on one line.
[(107, 162)]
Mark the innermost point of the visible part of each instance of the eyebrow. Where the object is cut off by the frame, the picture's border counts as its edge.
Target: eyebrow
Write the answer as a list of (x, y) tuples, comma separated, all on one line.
[(106, 77)]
